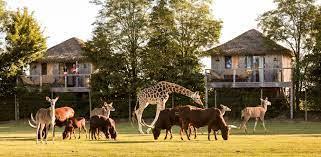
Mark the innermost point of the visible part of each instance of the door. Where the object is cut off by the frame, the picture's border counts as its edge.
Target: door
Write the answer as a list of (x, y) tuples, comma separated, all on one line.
[(258, 74)]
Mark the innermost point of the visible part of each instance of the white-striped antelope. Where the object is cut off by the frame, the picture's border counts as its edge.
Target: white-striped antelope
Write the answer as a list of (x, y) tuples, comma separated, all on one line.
[(255, 112)]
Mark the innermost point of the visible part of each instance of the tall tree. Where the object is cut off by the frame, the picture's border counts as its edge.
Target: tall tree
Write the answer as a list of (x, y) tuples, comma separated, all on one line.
[(312, 64), (196, 26), (123, 25), (291, 23), (160, 54), (180, 31), (24, 42)]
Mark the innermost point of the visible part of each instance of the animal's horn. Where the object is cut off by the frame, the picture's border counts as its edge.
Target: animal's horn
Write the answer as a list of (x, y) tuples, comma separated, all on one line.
[(232, 126), (32, 125)]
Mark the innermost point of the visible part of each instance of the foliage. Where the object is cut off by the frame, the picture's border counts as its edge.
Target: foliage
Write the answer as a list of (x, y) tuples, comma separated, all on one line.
[(312, 64), (119, 35), (137, 43), (291, 23), (24, 42)]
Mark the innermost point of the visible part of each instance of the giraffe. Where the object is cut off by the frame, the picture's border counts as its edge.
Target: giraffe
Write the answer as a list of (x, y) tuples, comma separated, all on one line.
[(159, 94)]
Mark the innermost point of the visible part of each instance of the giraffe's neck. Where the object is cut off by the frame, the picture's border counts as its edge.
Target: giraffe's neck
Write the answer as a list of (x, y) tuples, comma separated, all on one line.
[(175, 88)]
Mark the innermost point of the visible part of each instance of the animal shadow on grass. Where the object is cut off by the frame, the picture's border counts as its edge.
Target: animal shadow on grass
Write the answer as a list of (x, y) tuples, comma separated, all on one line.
[(16, 139), (138, 141)]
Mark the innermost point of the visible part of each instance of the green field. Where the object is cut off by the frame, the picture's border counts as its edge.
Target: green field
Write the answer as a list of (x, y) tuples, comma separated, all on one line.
[(283, 139)]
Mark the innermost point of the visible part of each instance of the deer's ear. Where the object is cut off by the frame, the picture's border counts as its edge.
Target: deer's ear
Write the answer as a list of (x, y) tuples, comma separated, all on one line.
[(105, 104), (47, 98), (261, 99), (57, 98), (111, 104)]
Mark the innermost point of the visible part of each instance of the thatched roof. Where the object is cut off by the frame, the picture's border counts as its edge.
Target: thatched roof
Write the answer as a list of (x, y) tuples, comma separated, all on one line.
[(252, 42), (67, 51)]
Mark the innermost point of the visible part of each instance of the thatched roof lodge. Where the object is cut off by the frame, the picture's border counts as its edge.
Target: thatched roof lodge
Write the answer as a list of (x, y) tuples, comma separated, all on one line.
[(251, 42), (63, 59), (248, 54), (70, 50)]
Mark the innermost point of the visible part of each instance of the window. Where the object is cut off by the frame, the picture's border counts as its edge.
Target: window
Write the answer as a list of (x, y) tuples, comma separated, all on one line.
[(44, 68), (228, 62), (248, 61)]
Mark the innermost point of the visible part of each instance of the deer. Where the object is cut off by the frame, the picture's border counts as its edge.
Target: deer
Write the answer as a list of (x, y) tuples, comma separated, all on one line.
[(104, 110), (44, 118), (255, 112)]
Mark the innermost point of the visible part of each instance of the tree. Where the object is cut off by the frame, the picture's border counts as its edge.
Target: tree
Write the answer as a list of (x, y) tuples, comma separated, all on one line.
[(24, 43), (179, 33), (312, 64), (122, 26), (161, 52), (291, 23)]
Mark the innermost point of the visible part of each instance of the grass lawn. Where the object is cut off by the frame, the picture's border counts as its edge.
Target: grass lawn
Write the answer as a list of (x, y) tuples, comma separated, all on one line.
[(283, 139)]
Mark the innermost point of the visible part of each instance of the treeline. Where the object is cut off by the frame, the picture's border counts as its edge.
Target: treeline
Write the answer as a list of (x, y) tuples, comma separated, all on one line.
[(137, 43)]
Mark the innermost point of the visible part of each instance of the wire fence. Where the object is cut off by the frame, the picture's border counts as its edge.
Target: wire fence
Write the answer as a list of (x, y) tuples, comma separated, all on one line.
[(26, 101)]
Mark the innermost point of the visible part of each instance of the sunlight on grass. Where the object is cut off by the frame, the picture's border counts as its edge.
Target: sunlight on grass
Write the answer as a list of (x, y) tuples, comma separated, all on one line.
[(302, 139)]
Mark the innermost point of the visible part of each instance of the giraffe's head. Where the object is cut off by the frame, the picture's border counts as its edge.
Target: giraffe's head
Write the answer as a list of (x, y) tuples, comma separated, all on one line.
[(196, 97)]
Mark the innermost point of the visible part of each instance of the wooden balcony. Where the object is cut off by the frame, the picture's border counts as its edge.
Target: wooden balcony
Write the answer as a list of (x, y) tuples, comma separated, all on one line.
[(59, 83), (248, 78)]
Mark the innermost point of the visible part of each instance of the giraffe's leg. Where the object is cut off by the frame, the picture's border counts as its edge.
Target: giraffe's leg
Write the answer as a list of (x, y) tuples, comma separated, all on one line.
[(159, 108), (139, 114)]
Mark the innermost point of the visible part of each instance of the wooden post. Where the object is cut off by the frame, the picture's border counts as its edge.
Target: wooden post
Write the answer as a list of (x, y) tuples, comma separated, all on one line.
[(40, 78), (65, 80), (129, 108), (206, 91), (305, 106), (291, 102), (215, 98), (234, 76), (173, 105), (261, 93), (89, 96), (16, 107)]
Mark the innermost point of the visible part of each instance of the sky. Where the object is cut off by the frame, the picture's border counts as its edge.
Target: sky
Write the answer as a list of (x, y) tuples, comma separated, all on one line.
[(63, 19)]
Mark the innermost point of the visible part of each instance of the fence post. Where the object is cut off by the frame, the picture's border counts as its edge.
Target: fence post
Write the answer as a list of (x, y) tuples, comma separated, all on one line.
[(129, 108), (89, 96), (305, 106), (16, 107)]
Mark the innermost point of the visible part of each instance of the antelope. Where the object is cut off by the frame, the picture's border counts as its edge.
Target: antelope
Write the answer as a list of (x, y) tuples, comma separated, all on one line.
[(104, 110), (255, 112), (44, 118)]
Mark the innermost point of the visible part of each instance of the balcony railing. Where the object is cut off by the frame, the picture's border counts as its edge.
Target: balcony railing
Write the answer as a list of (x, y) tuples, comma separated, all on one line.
[(249, 75), (68, 80)]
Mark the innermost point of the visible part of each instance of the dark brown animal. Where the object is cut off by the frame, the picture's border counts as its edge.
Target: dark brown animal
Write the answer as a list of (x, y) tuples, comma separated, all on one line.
[(104, 124), (167, 118), (210, 117), (72, 124), (221, 107)]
